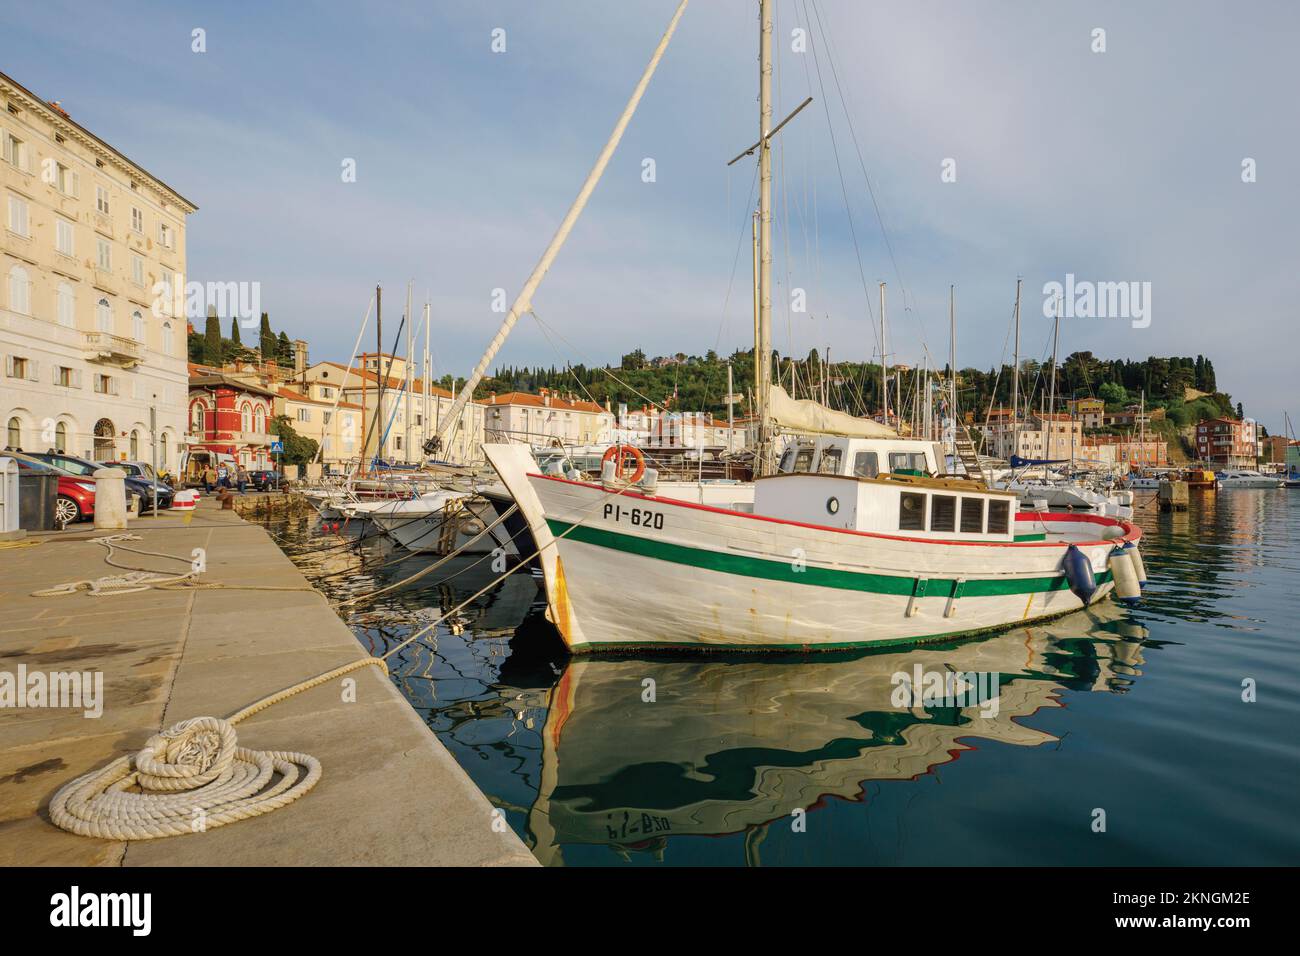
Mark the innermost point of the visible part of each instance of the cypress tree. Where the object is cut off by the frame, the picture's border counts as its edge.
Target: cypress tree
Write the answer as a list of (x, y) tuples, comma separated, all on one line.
[(212, 339), (266, 339), (234, 331)]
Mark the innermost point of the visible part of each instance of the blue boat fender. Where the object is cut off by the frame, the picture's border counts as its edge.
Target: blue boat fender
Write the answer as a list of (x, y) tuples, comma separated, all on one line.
[(1078, 574)]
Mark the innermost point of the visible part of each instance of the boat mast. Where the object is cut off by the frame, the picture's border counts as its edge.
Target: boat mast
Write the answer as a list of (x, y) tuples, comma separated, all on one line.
[(766, 16), (1015, 380), (379, 372), (410, 370), (523, 302), (884, 362), (758, 372), (1051, 401), (952, 366), (426, 372)]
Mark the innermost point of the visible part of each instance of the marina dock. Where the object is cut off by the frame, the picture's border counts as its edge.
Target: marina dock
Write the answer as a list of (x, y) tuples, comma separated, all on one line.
[(390, 794)]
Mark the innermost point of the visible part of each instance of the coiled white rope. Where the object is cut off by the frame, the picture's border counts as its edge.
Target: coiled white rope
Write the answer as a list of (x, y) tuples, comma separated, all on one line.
[(191, 778), (134, 580)]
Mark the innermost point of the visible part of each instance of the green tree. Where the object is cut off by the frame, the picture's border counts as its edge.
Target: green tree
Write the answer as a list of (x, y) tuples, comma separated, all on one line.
[(1112, 393), (298, 450), (284, 350), (212, 352), (266, 339), (234, 332)]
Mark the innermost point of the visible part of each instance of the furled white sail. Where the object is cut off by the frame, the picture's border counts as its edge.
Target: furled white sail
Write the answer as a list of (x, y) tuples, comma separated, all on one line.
[(804, 416)]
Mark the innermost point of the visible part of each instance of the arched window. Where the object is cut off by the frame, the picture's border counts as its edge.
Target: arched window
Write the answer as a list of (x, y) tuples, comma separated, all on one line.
[(259, 420), (20, 291), (14, 438), (167, 338), (67, 305), (137, 326), (196, 418), (104, 316), (246, 417), (61, 438), (162, 450), (135, 445)]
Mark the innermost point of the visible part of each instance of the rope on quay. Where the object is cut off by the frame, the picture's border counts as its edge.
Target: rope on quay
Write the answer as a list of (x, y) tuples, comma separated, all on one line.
[(193, 777)]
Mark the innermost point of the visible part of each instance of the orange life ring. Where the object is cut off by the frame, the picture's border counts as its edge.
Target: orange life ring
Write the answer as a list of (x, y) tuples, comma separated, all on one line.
[(617, 453)]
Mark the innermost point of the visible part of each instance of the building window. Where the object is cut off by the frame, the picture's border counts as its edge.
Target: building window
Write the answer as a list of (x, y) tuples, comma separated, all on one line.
[(18, 367), (137, 326), (166, 236), (67, 377), (16, 153), (246, 418), (63, 237), (20, 291), (14, 436), (66, 181), (196, 419), (18, 217), (104, 316), (104, 255), (137, 220), (167, 338), (61, 438), (137, 270), (101, 200), (304, 414), (135, 445), (259, 420), (105, 385)]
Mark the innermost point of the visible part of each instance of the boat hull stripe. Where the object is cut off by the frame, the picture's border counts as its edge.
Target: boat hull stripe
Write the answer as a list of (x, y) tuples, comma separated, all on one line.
[(766, 569)]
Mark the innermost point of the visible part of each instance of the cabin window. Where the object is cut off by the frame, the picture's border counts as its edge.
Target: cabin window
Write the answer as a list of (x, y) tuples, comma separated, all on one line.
[(911, 512), (803, 461), (866, 464), (830, 463), (906, 461), (943, 513), (999, 516), (972, 515)]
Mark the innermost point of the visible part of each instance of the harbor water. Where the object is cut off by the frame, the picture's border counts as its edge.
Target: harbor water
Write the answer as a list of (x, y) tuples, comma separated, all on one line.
[(1163, 734)]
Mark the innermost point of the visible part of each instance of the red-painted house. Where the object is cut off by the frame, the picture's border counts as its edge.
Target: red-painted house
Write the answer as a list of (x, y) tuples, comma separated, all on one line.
[(229, 421)]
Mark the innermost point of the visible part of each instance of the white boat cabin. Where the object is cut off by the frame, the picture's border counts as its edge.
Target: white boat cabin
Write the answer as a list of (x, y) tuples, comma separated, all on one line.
[(885, 486)]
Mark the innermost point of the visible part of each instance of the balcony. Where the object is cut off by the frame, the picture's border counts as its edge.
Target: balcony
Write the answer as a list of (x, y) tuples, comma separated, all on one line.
[(112, 349)]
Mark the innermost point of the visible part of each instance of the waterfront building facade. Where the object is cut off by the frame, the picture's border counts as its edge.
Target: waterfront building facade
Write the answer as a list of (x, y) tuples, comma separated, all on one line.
[(229, 421), (538, 419), (1227, 442), (92, 248)]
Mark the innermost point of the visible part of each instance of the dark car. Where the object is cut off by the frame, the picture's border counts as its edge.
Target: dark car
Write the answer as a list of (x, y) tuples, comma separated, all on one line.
[(134, 486), (76, 496), (266, 480)]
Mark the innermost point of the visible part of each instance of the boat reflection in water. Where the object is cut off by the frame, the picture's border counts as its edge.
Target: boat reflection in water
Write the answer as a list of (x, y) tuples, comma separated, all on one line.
[(732, 745)]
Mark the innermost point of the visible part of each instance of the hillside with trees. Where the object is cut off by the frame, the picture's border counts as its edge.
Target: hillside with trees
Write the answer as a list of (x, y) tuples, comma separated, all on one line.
[(210, 347)]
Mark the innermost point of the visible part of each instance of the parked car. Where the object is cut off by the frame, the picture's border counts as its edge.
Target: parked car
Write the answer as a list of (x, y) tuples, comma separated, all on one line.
[(76, 496), (144, 471), (143, 490), (266, 480)]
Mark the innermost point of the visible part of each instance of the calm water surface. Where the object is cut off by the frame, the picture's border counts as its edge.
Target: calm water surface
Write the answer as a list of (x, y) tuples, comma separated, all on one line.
[(1135, 712)]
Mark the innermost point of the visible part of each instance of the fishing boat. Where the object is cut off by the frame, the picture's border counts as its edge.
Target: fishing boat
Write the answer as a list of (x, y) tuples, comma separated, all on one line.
[(438, 522), (831, 557)]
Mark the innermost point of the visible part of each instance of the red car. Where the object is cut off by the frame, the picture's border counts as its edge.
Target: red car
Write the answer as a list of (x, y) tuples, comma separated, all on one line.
[(76, 500)]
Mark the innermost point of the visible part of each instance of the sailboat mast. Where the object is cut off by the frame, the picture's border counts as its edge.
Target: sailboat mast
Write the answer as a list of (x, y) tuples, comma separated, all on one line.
[(1015, 380), (1051, 402), (410, 371), (524, 301), (884, 362), (758, 369), (766, 16), (426, 372), (952, 365)]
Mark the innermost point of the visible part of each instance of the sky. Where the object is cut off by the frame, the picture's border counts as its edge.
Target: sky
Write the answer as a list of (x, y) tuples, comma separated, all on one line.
[(949, 143)]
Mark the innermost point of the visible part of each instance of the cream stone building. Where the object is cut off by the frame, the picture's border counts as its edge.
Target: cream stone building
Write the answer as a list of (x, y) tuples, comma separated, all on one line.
[(334, 425), (88, 238)]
